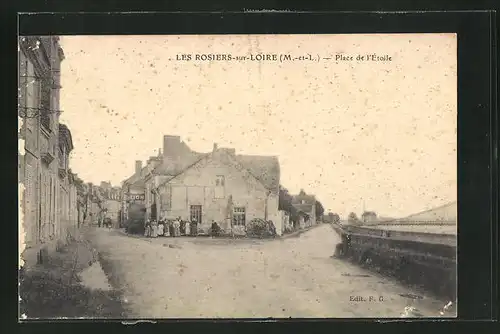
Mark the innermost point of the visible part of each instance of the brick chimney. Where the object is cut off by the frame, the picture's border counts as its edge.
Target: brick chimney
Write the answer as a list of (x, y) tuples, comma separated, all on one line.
[(138, 167), (171, 146), (215, 147)]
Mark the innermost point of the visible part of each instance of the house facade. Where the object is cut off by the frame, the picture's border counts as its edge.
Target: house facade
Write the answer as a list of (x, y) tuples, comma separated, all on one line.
[(218, 186), (112, 202), (67, 213), (47, 202), (306, 209), (222, 187), (132, 197)]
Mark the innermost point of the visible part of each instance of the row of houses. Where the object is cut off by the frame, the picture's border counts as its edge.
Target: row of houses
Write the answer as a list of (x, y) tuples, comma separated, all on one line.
[(216, 186), (110, 201), (49, 210)]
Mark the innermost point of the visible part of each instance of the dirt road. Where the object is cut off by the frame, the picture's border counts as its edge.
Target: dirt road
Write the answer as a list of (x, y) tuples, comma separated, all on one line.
[(203, 277)]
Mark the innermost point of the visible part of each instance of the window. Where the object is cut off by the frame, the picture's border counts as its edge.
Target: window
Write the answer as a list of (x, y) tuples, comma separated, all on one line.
[(45, 104), (219, 187), (62, 163), (239, 216), (220, 181), (195, 213)]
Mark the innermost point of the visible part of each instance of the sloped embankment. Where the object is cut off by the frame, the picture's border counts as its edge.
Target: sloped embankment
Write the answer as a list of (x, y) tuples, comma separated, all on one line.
[(70, 285)]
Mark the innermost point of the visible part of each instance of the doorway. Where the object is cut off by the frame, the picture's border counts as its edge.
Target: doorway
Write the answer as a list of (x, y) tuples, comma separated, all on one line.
[(196, 213), (153, 212)]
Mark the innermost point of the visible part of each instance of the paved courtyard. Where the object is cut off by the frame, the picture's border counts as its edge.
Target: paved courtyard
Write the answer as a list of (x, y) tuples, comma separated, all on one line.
[(292, 277)]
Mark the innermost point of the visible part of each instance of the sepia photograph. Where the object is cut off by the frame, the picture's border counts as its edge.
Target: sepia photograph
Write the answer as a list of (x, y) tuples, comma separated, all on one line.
[(237, 176)]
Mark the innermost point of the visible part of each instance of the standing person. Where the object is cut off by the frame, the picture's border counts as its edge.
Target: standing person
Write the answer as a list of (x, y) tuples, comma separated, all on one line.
[(161, 228), (154, 229), (194, 227), (146, 228), (171, 228), (183, 227), (167, 228), (188, 228), (215, 229), (177, 227)]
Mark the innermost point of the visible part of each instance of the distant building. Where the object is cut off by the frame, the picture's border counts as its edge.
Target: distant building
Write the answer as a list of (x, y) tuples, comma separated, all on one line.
[(133, 195), (369, 217), (306, 208), (331, 218), (112, 202)]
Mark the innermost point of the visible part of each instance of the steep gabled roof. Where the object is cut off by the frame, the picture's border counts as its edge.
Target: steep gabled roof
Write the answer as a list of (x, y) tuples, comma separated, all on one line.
[(135, 179), (264, 168), (308, 199), (176, 167), (306, 208)]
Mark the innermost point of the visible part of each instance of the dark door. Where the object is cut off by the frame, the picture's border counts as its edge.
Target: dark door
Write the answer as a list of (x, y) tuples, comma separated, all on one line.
[(153, 212), (195, 213)]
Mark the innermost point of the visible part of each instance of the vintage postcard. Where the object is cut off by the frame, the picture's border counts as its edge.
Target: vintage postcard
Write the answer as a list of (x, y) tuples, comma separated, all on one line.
[(238, 176)]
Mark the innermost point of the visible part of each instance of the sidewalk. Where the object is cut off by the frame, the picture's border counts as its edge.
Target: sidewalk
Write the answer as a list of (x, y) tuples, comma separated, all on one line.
[(70, 285)]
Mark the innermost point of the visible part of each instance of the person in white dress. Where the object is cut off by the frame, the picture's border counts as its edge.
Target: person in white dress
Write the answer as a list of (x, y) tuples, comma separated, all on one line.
[(188, 228), (177, 227), (154, 229), (161, 228)]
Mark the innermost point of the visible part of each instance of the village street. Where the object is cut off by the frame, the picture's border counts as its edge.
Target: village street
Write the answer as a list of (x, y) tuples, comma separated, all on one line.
[(204, 277)]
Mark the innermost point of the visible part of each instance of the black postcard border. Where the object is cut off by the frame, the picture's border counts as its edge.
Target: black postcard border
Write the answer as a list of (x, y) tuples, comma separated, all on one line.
[(477, 117)]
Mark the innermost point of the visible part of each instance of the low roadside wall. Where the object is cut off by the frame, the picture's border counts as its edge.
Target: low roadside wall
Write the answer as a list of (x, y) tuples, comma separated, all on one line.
[(422, 259)]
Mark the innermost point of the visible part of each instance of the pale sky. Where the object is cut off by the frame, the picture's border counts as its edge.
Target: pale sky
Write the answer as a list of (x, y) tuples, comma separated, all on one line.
[(382, 133)]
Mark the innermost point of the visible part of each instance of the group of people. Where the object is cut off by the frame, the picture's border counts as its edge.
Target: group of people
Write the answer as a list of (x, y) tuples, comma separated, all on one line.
[(170, 228)]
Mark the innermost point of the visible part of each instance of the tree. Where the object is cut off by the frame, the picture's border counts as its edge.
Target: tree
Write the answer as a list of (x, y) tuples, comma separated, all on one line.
[(285, 203), (285, 199), (352, 218), (333, 217), (320, 210)]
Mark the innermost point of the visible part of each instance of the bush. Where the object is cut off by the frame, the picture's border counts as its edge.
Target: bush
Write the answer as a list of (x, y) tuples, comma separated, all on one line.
[(260, 228)]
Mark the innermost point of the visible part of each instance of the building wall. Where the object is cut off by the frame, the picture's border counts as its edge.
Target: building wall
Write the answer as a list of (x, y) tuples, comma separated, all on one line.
[(29, 163), (39, 98), (149, 197), (113, 210), (197, 186), (313, 213), (131, 207)]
